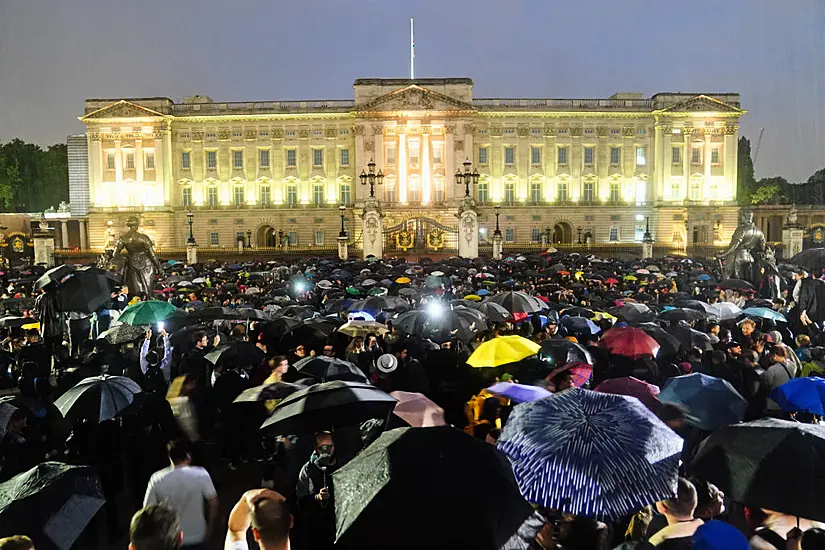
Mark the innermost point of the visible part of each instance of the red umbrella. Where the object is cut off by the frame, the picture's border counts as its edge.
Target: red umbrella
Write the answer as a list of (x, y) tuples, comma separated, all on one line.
[(629, 342), (611, 281), (641, 390), (581, 372)]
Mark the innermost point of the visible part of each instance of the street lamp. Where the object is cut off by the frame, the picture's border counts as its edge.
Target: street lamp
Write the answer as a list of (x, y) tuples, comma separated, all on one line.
[(371, 177), (190, 218), (497, 232), (280, 238), (579, 231), (249, 238), (467, 177), (343, 211)]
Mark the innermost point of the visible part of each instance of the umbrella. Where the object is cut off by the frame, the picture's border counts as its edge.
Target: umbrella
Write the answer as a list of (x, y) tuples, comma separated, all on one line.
[(670, 345), (54, 275), (519, 393), (735, 284), (362, 328), (12, 321), (682, 314), (727, 311), (328, 405), (236, 354), (98, 398), (266, 392), (121, 334), (591, 454), (441, 325), (768, 463), (494, 312), (690, 338), (456, 485), (644, 392), (329, 368), (502, 350), (376, 304), (579, 325), (581, 373), (560, 352), (710, 402), (6, 411), (633, 312), (765, 313), (629, 342), (812, 259), (147, 313), (51, 503), (801, 395), (417, 410), (516, 301)]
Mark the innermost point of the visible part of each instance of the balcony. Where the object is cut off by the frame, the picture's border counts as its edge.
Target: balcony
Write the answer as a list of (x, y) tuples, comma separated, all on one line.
[(262, 107)]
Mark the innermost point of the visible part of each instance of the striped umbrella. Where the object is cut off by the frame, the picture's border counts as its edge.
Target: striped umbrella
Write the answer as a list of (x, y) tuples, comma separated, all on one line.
[(591, 454)]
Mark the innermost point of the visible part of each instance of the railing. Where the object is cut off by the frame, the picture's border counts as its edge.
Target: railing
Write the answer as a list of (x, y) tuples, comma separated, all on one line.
[(263, 106), (564, 104)]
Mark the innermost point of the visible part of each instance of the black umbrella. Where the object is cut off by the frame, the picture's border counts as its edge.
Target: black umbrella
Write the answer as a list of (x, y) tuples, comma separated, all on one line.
[(98, 398), (668, 343), (276, 329), (735, 284), (14, 321), (812, 259), (494, 312), (329, 368), (560, 352), (54, 275), (298, 312), (329, 405), (377, 304), (215, 313), (768, 463), (266, 392), (690, 338), (17, 305), (51, 503), (236, 354), (440, 324), (461, 489), (121, 334), (252, 314), (516, 301), (633, 312), (682, 314)]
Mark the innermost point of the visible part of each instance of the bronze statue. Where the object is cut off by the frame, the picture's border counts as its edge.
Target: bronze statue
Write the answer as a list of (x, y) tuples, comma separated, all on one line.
[(749, 257), (141, 264)]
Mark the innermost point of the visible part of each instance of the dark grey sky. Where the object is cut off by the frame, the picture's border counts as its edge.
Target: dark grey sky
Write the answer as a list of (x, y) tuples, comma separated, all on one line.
[(56, 53)]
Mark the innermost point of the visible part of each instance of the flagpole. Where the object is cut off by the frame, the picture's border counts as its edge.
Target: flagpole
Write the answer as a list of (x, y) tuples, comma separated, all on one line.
[(412, 49)]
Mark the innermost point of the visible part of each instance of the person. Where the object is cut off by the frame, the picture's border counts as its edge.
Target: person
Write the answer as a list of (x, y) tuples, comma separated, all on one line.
[(194, 361), (775, 528), (718, 535), (267, 513), (155, 527), (35, 356), (157, 371), (780, 371), (185, 488), (314, 492), (562, 381), (18, 542), (678, 511), (80, 327), (411, 376)]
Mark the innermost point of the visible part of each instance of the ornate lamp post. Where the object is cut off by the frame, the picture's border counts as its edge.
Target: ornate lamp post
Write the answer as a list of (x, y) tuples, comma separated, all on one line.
[(467, 177), (647, 241), (343, 238), (497, 232), (497, 247), (249, 238), (280, 238), (191, 245), (371, 177), (579, 232), (342, 210)]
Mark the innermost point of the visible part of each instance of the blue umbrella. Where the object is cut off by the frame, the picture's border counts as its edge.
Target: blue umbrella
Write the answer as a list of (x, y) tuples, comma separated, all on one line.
[(591, 454), (704, 277), (520, 393), (710, 402), (483, 292), (579, 325), (765, 313), (801, 395)]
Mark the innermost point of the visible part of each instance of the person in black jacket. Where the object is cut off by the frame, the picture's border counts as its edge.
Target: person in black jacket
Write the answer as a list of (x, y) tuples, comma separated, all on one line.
[(315, 498)]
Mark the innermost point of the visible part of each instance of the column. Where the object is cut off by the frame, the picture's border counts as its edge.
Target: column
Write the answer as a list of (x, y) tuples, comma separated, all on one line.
[(139, 161), (119, 190), (64, 234), (657, 174), (401, 159), (667, 164), (426, 170), (96, 188), (686, 159), (84, 241), (449, 162), (731, 166), (163, 166), (707, 151)]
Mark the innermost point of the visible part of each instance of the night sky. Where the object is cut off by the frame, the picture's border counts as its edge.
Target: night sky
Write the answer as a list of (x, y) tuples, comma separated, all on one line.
[(56, 53)]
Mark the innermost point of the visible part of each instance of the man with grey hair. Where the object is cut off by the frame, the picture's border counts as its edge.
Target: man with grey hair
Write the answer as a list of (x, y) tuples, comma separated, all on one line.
[(155, 527)]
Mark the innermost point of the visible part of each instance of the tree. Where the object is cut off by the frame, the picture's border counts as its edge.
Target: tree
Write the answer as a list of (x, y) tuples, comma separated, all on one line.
[(9, 184), (40, 179), (769, 190), (745, 178)]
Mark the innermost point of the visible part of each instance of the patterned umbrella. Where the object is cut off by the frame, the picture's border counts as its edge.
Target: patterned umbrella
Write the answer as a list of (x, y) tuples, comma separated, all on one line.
[(98, 398), (591, 454)]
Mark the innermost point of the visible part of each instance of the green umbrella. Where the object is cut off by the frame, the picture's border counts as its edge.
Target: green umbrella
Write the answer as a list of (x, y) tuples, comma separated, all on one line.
[(147, 313)]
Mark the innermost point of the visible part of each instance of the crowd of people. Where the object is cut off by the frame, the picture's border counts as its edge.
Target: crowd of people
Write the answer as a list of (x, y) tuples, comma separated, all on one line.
[(232, 343)]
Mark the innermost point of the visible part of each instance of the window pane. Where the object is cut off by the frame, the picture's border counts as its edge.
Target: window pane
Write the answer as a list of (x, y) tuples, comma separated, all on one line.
[(614, 233), (185, 160), (213, 238), (391, 154), (509, 234), (238, 195), (641, 156), (614, 191), (483, 192), (317, 157), (149, 161), (187, 197), (318, 193), (562, 191), (414, 153), (291, 157), (535, 191), (344, 157), (695, 155), (264, 161), (130, 161), (437, 153), (482, 155), (266, 194), (237, 159), (714, 155), (211, 159), (615, 153), (588, 191), (319, 238), (535, 155), (212, 196), (110, 161), (293, 238), (588, 155), (292, 194), (509, 192), (562, 155), (676, 155), (509, 155), (535, 235)]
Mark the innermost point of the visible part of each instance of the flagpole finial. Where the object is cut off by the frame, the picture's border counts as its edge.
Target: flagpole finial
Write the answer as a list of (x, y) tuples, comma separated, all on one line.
[(412, 49)]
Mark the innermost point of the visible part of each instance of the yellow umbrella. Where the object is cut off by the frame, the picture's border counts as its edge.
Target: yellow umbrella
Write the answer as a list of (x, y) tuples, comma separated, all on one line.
[(502, 350), (630, 278), (578, 275), (403, 280), (31, 326), (599, 315), (473, 297)]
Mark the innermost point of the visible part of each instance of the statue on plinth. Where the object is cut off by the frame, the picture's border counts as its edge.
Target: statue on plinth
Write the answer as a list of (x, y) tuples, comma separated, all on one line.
[(141, 264), (749, 257)]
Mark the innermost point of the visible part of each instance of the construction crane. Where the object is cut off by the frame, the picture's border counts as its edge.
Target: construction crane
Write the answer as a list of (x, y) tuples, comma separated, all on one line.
[(758, 145)]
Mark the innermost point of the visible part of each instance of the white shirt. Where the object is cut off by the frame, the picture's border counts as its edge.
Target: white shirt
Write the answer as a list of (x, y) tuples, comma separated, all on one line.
[(184, 489)]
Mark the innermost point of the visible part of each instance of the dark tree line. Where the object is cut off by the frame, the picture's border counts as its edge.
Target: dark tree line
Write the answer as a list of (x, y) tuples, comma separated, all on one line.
[(776, 189), (32, 178)]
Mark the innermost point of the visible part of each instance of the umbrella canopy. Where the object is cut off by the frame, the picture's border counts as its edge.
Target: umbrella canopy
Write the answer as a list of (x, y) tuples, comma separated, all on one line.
[(54, 275), (440, 324), (812, 259), (85, 290), (417, 410), (502, 350), (629, 342), (329, 405), (560, 352), (266, 392), (121, 334), (768, 463), (682, 314), (516, 301), (727, 311), (494, 312), (51, 503), (377, 304), (633, 312), (710, 402), (668, 343), (578, 325), (765, 313), (236, 354), (801, 395), (98, 398), (456, 485), (591, 454), (147, 313), (363, 328), (633, 387), (519, 393), (329, 368), (580, 373), (735, 284), (690, 338)]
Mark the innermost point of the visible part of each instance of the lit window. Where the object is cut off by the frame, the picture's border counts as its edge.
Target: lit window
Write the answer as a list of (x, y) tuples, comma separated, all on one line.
[(535, 155), (640, 131), (535, 191), (414, 153), (344, 157), (414, 189), (562, 157), (483, 192), (563, 197), (695, 190), (237, 159), (149, 160), (343, 132), (483, 234), (187, 197), (482, 155), (615, 156), (510, 235), (614, 234), (263, 158), (185, 160), (293, 238), (292, 194), (291, 158), (390, 194), (613, 191), (437, 152), (587, 195), (535, 235), (317, 158), (696, 155), (130, 160), (589, 153), (290, 133), (212, 159), (641, 156), (714, 155), (510, 192), (509, 155), (266, 194), (238, 195), (319, 238), (676, 155), (676, 189), (391, 153), (346, 193), (212, 196), (110, 161), (318, 194), (237, 134), (214, 240)]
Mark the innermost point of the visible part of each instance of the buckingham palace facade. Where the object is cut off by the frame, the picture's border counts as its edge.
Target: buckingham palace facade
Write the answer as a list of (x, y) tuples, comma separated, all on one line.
[(561, 170)]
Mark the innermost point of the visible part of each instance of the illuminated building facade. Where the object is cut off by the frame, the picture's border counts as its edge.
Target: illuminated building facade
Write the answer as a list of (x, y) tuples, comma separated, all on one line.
[(562, 170)]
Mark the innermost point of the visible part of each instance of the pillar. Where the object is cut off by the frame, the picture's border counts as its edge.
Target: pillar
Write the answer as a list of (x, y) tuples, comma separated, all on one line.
[(343, 248), (497, 246), (43, 245), (84, 240), (373, 229), (468, 229), (191, 253), (426, 177), (792, 236), (64, 234)]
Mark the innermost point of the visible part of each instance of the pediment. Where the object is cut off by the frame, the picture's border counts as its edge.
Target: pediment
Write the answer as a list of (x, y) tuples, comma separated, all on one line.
[(414, 98), (121, 109), (702, 104)]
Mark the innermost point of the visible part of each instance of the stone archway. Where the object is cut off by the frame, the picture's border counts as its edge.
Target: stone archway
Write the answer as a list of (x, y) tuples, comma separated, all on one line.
[(266, 236), (562, 233)]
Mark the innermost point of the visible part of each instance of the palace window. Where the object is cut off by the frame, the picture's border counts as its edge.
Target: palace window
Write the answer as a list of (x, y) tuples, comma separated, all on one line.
[(509, 192), (264, 133), (214, 239), (212, 196), (130, 160), (563, 195), (414, 189), (613, 195), (291, 158), (292, 194), (237, 134), (695, 189), (266, 194), (438, 153), (346, 193), (536, 131), (589, 131), (414, 150), (588, 194), (510, 235), (696, 155), (562, 156), (317, 133), (535, 192), (237, 159), (483, 192), (149, 160), (318, 194), (509, 131), (509, 156), (238, 195), (318, 158), (676, 190), (263, 158), (389, 194), (535, 156), (391, 154), (185, 160), (110, 161), (482, 155), (676, 155), (293, 238), (344, 157), (615, 131), (615, 156), (319, 238), (613, 236), (535, 235), (211, 160), (714, 155), (186, 197), (589, 154), (290, 133), (641, 156)]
